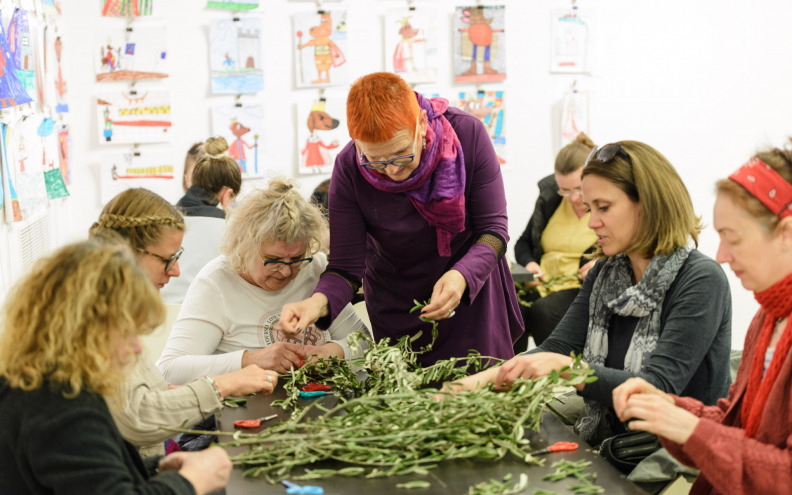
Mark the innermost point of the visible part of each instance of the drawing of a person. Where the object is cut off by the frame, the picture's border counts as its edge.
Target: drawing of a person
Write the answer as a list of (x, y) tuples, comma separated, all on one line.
[(237, 148), (480, 34), (228, 62), (326, 53), (403, 59), (110, 58)]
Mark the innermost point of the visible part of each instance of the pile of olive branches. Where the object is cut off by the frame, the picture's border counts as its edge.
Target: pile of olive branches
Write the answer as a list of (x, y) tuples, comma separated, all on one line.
[(392, 421)]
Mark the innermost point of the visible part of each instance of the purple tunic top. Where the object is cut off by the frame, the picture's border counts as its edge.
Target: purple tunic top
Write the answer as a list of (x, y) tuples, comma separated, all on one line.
[(381, 238)]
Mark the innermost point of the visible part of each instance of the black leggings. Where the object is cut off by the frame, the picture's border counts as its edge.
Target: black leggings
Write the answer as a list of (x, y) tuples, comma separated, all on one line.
[(543, 316)]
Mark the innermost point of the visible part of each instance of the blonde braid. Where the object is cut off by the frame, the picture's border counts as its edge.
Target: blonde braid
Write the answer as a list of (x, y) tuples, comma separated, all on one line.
[(139, 216)]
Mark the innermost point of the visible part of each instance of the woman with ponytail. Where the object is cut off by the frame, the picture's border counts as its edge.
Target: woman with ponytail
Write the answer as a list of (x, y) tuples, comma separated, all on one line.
[(229, 318), (216, 181), (743, 445), (555, 241)]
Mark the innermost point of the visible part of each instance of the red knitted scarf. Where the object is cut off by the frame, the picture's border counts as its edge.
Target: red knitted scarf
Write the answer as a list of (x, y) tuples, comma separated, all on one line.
[(777, 304)]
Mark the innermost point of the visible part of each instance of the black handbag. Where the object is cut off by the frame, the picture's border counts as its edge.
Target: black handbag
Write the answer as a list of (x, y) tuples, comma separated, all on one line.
[(626, 450)]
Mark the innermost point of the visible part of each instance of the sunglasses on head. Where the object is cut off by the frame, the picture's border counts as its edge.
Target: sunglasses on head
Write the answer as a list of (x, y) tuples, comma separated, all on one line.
[(605, 153)]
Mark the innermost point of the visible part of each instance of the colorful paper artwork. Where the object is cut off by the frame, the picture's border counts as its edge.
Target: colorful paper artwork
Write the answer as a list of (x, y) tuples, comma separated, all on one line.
[(49, 8), (20, 45), (32, 190), (64, 144), (12, 92), (53, 181), (321, 132), (25, 152), (50, 85), (153, 170), (26, 147), (411, 39), (488, 107), (479, 43), (129, 117), (243, 128), (239, 5), (131, 54), (127, 8), (49, 143), (320, 48), (574, 115), (13, 212), (569, 41), (235, 56)]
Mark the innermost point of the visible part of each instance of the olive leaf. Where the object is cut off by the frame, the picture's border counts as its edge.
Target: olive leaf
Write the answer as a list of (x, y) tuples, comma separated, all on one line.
[(391, 419)]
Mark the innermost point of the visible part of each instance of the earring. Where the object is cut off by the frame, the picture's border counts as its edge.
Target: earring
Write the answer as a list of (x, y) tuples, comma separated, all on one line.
[(423, 141)]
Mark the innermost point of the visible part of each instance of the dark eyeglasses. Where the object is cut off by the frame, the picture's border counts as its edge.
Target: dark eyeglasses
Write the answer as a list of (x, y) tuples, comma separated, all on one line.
[(276, 266), (169, 262), (399, 161), (605, 153)]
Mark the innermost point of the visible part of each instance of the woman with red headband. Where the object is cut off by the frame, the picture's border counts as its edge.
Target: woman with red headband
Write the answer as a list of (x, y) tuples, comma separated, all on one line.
[(417, 211), (742, 445)]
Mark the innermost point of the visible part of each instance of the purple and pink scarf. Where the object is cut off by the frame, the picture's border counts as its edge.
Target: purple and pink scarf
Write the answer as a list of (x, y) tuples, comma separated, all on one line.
[(437, 186)]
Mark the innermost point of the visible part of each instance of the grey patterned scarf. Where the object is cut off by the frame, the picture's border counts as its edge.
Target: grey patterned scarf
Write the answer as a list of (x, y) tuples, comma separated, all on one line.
[(613, 292)]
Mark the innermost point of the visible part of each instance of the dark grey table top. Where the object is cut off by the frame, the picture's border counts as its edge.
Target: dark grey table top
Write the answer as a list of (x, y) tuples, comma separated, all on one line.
[(450, 477)]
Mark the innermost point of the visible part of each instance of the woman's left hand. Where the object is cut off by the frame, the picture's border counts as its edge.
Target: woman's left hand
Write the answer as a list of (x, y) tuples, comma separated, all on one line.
[(446, 296), (653, 413)]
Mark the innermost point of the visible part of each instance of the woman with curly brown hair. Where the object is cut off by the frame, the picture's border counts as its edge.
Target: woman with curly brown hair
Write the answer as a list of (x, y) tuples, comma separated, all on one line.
[(70, 329)]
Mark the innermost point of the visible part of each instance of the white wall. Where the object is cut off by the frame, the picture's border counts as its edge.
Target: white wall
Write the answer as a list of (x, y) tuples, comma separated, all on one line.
[(703, 81)]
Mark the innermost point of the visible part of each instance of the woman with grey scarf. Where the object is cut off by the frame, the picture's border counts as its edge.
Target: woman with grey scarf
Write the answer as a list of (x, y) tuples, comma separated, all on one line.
[(652, 307)]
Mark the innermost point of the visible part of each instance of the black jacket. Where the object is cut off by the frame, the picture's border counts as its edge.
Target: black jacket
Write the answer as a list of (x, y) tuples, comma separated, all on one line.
[(50, 444), (198, 202), (529, 245)]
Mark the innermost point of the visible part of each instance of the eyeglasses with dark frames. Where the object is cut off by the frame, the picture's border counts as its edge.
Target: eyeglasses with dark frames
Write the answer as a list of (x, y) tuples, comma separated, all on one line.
[(169, 262), (606, 153), (276, 265), (399, 161)]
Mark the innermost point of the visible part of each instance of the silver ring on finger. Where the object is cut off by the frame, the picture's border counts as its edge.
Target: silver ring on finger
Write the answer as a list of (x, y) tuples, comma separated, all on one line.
[(451, 313), (269, 378)]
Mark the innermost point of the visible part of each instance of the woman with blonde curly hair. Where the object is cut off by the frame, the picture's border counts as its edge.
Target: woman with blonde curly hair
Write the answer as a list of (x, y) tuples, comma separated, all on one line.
[(154, 229), (69, 330), (230, 316)]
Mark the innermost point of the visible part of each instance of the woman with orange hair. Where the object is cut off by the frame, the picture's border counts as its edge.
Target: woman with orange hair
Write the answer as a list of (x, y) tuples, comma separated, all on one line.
[(417, 211)]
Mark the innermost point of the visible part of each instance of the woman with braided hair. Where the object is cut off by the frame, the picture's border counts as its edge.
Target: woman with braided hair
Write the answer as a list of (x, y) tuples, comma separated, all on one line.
[(742, 445), (229, 318), (417, 211), (154, 229)]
